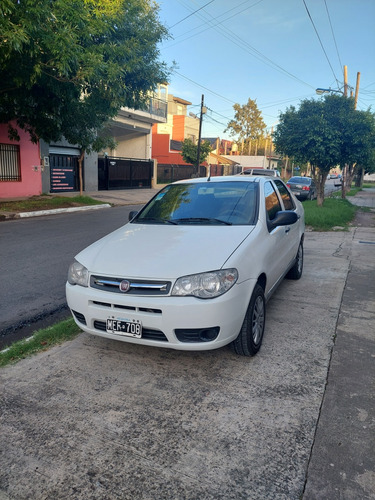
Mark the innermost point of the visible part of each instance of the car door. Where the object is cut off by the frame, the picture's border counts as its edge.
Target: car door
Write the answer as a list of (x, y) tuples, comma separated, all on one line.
[(280, 245), (292, 241)]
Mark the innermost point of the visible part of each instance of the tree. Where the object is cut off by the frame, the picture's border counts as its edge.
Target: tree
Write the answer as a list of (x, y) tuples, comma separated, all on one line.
[(325, 133), (189, 151), (248, 124), (67, 67)]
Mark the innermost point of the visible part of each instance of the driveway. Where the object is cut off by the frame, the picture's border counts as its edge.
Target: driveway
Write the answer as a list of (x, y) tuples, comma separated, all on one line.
[(99, 419)]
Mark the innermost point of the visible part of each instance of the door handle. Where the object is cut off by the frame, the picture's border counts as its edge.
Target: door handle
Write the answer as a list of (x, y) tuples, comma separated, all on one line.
[(287, 229)]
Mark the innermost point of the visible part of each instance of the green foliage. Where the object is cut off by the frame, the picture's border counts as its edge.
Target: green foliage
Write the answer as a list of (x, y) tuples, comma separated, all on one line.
[(40, 341), (326, 133), (69, 66), (47, 202), (248, 123), (190, 151)]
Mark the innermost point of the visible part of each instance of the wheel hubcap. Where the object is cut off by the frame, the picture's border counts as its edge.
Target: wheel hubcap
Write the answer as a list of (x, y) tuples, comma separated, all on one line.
[(258, 320)]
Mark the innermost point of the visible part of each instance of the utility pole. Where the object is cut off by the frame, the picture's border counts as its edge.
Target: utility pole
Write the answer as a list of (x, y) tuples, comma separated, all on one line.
[(345, 81), (199, 138), (357, 90)]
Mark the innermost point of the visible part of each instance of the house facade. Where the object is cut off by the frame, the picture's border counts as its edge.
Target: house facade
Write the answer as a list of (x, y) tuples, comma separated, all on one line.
[(20, 166), (28, 169), (167, 137), (129, 165)]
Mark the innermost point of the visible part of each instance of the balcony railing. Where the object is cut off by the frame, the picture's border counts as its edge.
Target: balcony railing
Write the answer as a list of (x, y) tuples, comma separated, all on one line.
[(157, 107)]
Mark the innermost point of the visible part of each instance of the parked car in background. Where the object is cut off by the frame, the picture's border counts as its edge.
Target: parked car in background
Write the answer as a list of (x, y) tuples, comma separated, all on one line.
[(303, 188), (338, 181), (261, 171), (193, 269), (333, 176)]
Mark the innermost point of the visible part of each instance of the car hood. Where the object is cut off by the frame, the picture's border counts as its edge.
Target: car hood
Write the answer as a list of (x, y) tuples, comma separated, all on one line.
[(154, 251)]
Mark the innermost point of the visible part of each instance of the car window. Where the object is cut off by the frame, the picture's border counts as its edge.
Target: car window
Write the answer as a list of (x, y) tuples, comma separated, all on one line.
[(285, 195), (272, 201), (300, 180), (204, 203)]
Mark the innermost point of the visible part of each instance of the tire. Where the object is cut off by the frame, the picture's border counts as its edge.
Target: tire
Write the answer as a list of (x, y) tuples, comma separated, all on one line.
[(250, 338), (296, 271)]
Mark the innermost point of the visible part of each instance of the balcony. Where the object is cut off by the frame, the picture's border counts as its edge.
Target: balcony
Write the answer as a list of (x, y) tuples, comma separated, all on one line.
[(155, 111)]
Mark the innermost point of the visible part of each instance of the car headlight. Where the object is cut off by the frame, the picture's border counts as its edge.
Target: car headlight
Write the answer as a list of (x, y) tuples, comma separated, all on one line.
[(78, 274), (206, 285)]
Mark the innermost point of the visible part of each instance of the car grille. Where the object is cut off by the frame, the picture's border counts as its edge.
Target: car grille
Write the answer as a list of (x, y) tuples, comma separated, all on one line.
[(147, 333), (136, 287), (150, 310)]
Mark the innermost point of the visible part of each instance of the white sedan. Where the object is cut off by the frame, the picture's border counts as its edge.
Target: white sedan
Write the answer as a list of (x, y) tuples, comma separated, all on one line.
[(193, 269)]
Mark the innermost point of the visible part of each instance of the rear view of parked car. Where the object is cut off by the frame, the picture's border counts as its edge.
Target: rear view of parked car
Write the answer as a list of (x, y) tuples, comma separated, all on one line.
[(193, 269), (303, 188), (338, 181)]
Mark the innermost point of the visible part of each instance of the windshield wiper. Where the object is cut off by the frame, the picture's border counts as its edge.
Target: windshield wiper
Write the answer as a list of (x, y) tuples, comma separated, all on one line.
[(202, 219), (156, 220)]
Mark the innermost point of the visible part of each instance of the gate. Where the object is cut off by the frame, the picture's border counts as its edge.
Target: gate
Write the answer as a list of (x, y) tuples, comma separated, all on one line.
[(63, 173), (124, 173)]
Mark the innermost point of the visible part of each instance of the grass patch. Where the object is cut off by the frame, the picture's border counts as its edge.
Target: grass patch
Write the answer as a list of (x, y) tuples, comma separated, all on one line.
[(335, 212), (40, 341), (47, 202)]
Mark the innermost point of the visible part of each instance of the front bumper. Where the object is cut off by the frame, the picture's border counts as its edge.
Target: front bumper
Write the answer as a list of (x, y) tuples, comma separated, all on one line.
[(167, 321)]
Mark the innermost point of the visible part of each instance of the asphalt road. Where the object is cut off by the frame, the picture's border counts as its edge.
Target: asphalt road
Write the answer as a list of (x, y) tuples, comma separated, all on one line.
[(35, 256)]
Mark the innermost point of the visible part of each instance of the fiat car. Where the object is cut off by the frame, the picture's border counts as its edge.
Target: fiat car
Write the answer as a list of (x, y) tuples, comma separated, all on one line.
[(194, 268)]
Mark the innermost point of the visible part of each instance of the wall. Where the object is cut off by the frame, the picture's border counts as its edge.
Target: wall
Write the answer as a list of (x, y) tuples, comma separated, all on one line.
[(161, 152), (135, 146), (31, 181)]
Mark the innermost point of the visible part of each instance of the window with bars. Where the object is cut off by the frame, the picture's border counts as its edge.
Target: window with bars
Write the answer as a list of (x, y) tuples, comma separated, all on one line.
[(10, 165)]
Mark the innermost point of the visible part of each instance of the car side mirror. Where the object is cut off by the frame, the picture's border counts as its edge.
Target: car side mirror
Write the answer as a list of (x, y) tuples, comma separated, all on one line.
[(282, 218), (132, 214)]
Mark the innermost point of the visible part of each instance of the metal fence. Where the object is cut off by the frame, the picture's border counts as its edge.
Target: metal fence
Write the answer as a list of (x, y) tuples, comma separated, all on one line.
[(169, 173)]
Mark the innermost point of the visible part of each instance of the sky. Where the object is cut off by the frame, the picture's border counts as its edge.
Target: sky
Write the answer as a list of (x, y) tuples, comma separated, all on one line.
[(276, 52)]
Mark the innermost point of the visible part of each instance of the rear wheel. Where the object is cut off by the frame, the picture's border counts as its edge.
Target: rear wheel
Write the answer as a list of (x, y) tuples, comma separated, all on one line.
[(250, 337), (296, 271)]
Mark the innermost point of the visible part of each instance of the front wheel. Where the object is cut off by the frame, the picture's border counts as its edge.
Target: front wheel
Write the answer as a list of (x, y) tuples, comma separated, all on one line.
[(250, 337), (296, 271)]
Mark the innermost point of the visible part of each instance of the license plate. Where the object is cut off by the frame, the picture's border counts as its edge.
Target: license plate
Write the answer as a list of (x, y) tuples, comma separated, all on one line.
[(126, 328)]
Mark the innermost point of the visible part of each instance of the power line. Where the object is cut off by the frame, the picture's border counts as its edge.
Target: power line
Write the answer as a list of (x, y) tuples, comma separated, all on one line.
[(234, 38), (204, 25), (333, 35), (203, 6), (321, 44), (203, 87)]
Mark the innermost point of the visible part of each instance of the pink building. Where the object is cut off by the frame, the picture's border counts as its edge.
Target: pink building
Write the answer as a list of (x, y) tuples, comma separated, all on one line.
[(20, 169)]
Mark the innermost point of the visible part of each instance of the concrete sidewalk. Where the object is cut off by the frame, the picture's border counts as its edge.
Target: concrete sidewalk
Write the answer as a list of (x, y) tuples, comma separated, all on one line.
[(342, 463)]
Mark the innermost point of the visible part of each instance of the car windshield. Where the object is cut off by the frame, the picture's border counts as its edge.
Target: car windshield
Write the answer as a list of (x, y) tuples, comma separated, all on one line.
[(204, 203), (300, 180)]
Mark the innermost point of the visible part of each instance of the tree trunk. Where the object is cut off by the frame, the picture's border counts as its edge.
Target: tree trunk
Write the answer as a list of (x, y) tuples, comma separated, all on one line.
[(360, 177), (350, 177), (80, 161), (320, 180)]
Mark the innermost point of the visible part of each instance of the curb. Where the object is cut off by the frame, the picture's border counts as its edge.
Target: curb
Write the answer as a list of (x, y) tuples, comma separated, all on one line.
[(39, 213)]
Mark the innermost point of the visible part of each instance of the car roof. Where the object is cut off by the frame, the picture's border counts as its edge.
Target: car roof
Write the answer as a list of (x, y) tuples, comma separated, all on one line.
[(226, 178)]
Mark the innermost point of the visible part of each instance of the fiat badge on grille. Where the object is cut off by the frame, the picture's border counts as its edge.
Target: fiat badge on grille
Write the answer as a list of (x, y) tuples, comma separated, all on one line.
[(124, 286)]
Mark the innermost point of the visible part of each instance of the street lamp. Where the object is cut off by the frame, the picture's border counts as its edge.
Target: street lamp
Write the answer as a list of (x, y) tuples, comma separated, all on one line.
[(326, 91)]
